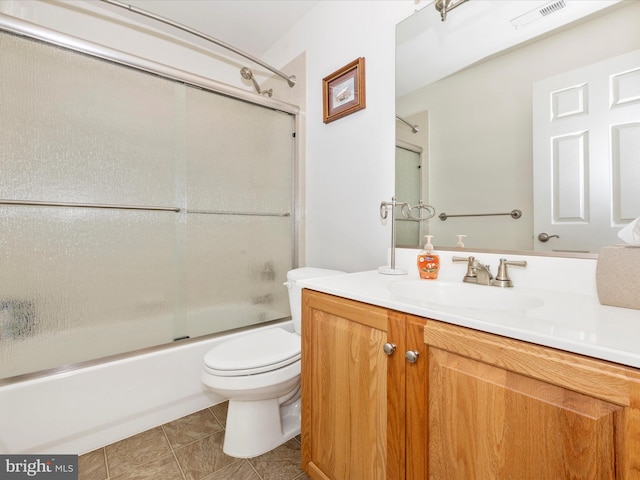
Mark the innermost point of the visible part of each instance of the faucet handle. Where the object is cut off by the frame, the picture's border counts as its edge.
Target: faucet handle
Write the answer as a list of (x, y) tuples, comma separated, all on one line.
[(502, 277), (470, 261)]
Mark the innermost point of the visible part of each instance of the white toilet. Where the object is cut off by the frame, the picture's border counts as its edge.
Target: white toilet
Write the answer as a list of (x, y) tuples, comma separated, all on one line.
[(259, 373)]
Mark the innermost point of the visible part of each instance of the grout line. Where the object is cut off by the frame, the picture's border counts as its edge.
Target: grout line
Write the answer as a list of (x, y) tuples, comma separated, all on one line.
[(166, 437), (254, 469), (179, 466), (173, 452), (106, 462)]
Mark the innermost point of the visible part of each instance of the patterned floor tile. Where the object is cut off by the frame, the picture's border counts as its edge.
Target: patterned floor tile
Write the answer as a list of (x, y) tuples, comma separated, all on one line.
[(282, 463), (203, 457), (193, 427), (241, 470), (189, 448), (92, 466), (220, 412), (163, 468), (137, 450)]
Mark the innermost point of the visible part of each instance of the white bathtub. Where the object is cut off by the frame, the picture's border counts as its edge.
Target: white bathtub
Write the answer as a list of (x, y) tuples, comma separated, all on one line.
[(77, 411)]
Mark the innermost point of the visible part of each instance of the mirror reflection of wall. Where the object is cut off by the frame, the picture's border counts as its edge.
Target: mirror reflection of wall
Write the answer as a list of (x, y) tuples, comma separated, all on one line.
[(480, 131)]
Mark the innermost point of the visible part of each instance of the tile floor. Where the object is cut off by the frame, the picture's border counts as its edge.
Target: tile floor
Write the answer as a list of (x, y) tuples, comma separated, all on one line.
[(189, 448)]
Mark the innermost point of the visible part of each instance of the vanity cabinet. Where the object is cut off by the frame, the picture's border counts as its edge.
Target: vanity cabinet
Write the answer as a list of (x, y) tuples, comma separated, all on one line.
[(473, 406), (504, 409), (361, 416)]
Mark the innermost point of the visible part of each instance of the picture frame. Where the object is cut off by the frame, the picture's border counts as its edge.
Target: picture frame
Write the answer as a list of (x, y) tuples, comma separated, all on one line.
[(344, 91)]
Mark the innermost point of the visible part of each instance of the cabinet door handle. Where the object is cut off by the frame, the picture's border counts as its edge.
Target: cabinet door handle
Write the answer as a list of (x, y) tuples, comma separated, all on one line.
[(411, 356), (389, 348)]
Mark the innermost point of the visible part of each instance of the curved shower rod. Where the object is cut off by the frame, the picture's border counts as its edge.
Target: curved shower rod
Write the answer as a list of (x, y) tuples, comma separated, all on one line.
[(414, 128), (291, 79)]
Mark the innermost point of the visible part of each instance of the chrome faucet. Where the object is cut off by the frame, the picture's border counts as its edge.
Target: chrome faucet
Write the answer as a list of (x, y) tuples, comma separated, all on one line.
[(481, 274), (476, 272)]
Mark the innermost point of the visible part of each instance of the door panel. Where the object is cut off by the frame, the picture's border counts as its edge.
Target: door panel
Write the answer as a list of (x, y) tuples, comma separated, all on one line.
[(586, 150), (408, 189), (500, 424)]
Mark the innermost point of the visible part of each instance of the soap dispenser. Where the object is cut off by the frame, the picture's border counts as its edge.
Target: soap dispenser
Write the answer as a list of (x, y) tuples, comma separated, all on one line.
[(428, 261)]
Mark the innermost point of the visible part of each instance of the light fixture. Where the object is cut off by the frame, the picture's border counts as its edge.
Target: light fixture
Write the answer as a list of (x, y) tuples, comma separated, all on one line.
[(445, 6)]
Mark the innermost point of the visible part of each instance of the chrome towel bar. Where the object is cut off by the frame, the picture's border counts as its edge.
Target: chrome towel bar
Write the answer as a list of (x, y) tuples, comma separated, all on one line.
[(250, 214), (513, 214), (35, 203)]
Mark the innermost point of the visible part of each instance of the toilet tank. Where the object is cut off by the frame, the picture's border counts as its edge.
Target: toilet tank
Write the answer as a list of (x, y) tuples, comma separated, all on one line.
[(295, 290)]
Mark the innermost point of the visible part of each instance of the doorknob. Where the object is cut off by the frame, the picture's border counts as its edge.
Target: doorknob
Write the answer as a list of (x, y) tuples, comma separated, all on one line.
[(544, 237), (411, 356), (389, 348)]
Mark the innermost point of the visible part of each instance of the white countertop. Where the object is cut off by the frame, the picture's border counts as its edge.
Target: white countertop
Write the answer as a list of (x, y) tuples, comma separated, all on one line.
[(571, 321)]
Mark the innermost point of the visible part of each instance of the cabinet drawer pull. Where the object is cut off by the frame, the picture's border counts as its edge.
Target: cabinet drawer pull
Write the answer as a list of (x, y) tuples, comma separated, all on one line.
[(389, 348), (411, 356)]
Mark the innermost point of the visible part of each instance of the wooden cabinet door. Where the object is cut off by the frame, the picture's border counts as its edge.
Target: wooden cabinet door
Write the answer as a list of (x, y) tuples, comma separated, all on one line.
[(504, 409), (407, 399), (344, 394)]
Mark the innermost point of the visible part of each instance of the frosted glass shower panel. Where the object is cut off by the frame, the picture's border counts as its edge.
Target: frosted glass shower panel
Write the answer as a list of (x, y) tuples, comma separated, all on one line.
[(236, 268), (79, 284), (75, 128), (240, 177), (240, 155)]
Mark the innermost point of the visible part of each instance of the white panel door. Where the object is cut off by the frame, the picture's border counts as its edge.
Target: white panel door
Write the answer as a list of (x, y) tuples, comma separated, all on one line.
[(586, 155)]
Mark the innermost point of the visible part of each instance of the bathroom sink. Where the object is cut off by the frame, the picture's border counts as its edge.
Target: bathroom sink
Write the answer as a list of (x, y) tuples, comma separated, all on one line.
[(463, 295)]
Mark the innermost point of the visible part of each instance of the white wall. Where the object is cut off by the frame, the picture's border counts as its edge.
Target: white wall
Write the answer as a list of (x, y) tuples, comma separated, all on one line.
[(350, 162)]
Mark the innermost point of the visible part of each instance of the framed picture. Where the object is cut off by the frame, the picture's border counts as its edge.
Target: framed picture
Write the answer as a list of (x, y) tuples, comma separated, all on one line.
[(343, 92)]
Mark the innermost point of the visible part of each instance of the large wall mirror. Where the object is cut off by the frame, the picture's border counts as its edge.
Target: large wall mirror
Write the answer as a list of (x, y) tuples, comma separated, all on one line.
[(526, 106)]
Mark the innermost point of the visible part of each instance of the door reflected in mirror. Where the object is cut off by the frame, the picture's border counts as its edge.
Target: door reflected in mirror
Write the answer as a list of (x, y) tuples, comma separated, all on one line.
[(409, 190), (479, 139)]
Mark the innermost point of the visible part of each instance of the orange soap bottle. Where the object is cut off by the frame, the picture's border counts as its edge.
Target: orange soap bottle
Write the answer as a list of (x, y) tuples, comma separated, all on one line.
[(428, 261)]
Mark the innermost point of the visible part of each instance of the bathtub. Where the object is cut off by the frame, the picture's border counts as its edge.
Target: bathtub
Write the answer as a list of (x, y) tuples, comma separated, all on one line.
[(79, 410)]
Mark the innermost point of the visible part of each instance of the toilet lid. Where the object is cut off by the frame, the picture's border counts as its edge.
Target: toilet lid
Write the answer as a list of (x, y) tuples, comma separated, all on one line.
[(253, 353)]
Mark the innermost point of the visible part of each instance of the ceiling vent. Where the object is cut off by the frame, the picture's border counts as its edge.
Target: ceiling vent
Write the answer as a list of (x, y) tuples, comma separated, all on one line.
[(538, 14)]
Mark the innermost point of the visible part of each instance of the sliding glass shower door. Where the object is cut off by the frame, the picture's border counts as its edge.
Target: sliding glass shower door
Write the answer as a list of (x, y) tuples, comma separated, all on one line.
[(239, 212), (134, 209)]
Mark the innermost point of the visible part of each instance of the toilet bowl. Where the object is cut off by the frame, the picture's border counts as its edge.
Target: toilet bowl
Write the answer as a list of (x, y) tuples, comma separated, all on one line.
[(259, 373)]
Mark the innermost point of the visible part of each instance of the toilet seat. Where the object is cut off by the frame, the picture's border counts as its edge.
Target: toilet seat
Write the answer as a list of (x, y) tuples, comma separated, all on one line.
[(253, 353)]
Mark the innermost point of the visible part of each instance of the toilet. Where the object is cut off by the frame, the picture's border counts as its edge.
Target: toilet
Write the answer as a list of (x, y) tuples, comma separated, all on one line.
[(259, 373)]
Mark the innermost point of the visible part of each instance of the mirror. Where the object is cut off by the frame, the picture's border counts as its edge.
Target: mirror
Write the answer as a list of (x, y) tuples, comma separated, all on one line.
[(468, 84)]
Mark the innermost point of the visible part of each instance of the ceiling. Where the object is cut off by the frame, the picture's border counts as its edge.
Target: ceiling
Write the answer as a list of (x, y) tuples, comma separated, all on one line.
[(249, 25), (428, 49)]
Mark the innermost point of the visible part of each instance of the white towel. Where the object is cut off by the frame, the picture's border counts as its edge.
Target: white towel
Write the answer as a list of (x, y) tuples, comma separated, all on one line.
[(631, 233)]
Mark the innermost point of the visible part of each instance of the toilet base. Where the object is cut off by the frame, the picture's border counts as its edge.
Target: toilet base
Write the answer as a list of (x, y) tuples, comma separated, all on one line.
[(256, 427)]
